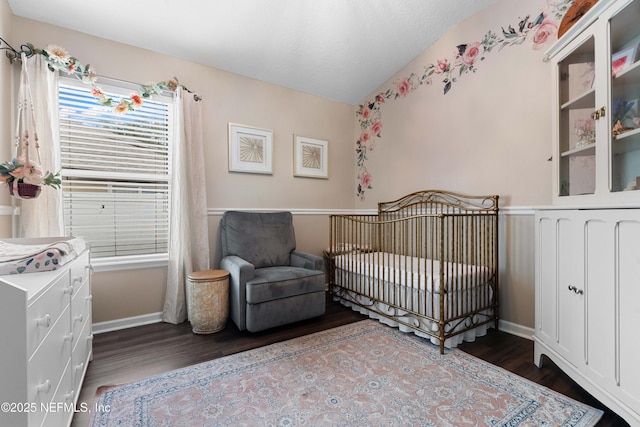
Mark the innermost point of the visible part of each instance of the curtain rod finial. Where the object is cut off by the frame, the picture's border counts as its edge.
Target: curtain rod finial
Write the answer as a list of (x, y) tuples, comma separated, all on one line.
[(13, 54)]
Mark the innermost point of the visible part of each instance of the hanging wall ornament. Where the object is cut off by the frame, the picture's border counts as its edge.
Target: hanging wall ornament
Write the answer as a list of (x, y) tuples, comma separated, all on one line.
[(24, 174)]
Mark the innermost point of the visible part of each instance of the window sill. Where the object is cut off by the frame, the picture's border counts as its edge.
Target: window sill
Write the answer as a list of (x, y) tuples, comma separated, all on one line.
[(135, 262)]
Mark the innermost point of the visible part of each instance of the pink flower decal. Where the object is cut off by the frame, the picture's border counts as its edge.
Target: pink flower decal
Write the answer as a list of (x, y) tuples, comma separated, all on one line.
[(365, 180), (471, 53), (365, 136), (442, 66), (376, 128), (545, 32), (404, 87), (365, 113)]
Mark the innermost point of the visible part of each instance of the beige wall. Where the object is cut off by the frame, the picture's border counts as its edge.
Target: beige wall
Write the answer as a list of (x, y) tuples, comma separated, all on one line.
[(127, 293), (5, 114), (490, 134)]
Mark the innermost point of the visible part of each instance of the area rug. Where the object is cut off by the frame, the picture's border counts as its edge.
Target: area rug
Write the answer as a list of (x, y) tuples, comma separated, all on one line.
[(364, 373)]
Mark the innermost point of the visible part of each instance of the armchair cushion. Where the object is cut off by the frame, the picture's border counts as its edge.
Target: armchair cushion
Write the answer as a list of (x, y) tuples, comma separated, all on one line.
[(271, 283), (262, 240)]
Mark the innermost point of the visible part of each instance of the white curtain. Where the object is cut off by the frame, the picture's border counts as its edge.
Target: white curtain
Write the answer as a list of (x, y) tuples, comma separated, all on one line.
[(43, 216), (188, 233)]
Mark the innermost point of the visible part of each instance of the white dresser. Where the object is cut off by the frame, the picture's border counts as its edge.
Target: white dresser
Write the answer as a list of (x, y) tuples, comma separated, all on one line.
[(45, 335)]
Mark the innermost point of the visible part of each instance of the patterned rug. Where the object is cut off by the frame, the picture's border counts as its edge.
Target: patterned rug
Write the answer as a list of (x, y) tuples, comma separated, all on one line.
[(363, 373)]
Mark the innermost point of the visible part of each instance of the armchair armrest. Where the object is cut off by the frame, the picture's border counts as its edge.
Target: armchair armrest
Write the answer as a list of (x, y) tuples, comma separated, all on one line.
[(240, 271), (308, 261)]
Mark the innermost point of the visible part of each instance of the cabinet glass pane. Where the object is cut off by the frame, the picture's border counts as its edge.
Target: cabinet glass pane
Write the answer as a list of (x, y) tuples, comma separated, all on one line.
[(576, 136), (625, 93)]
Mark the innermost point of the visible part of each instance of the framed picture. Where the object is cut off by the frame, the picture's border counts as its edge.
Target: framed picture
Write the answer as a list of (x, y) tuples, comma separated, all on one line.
[(250, 149), (310, 157), (620, 61)]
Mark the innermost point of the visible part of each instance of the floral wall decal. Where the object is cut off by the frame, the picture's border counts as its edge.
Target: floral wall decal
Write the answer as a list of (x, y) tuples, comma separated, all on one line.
[(539, 31)]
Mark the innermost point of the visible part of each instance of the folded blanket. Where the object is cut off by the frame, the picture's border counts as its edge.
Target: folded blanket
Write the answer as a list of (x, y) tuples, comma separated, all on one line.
[(17, 258), (15, 252)]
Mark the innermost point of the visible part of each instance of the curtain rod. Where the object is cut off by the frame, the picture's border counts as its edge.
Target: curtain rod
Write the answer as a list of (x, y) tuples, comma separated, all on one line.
[(16, 55), (13, 54)]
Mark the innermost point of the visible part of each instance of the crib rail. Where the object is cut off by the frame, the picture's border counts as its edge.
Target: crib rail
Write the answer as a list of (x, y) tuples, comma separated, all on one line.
[(428, 262)]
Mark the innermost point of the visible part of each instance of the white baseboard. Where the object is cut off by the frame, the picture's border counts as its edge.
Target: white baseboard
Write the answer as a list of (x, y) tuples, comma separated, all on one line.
[(127, 322), (515, 329), (147, 319)]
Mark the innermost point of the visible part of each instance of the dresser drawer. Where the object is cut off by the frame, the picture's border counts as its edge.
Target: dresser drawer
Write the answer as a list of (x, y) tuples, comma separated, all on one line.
[(80, 308), (80, 271), (45, 311), (81, 355), (61, 407), (47, 365)]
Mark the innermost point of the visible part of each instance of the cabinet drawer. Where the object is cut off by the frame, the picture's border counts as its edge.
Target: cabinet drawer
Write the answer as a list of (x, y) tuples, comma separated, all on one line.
[(79, 271), (81, 354), (61, 407), (47, 365), (44, 312), (80, 309)]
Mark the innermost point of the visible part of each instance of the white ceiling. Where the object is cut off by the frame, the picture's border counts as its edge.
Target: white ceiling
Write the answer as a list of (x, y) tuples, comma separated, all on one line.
[(338, 49)]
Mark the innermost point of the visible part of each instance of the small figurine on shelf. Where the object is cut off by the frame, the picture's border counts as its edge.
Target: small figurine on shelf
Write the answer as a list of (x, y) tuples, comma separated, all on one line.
[(585, 130), (624, 116)]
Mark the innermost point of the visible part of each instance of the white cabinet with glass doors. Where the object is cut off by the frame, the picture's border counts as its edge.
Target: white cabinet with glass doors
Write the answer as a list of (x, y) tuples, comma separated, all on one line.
[(596, 114)]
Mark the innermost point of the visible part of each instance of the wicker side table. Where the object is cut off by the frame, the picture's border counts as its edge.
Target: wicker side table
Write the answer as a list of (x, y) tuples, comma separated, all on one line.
[(208, 300)]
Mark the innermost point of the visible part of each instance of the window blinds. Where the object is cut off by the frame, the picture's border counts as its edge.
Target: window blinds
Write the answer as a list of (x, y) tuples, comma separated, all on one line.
[(115, 172)]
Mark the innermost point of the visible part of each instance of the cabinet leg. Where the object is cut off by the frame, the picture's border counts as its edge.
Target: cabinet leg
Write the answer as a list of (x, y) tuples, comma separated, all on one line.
[(538, 356)]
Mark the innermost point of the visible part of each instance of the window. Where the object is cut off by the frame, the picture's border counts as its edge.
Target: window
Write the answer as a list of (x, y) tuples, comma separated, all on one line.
[(115, 171)]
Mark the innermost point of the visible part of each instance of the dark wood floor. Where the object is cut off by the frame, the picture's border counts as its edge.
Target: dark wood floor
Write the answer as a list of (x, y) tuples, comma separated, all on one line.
[(136, 353)]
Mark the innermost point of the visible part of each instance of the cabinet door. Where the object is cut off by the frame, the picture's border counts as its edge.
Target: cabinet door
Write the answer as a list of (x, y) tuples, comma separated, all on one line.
[(623, 76), (575, 128), (570, 290), (546, 279), (600, 273), (559, 290), (627, 305)]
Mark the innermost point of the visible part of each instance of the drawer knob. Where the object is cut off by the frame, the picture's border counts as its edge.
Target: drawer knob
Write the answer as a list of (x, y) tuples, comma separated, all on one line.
[(79, 367), (68, 290), (44, 321), (45, 387), (69, 337), (90, 298), (79, 318), (77, 279), (69, 396)]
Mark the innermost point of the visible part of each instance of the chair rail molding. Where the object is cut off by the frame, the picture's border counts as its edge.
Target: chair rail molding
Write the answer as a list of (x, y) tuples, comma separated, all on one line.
[(8, 210), (507, 210)]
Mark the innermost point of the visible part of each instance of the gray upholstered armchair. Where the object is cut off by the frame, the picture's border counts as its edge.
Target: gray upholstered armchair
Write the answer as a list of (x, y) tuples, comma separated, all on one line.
[(271, 284)]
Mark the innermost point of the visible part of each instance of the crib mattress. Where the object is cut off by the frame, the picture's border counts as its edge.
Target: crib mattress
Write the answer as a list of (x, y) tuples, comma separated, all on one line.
[(18, 256), (414, 272)]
